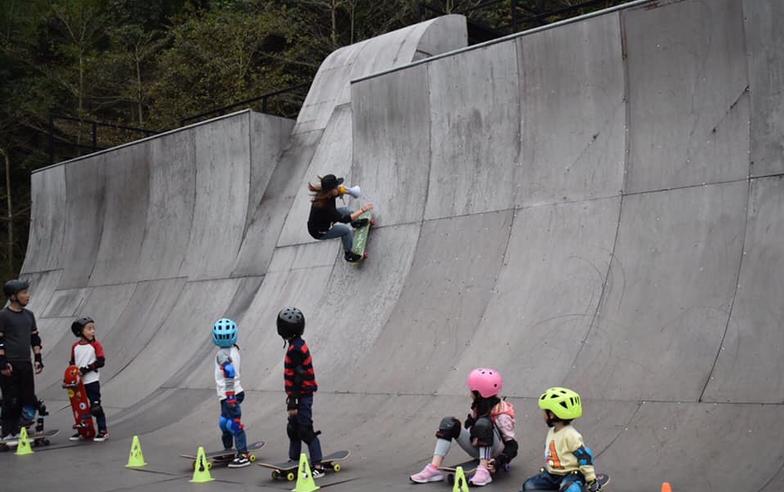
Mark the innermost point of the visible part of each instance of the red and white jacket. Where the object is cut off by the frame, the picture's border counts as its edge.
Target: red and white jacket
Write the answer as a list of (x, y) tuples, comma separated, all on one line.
[(89, 355)]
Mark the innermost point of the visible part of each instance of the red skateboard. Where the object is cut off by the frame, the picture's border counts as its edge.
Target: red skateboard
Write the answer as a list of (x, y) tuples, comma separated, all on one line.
[(80, 404)]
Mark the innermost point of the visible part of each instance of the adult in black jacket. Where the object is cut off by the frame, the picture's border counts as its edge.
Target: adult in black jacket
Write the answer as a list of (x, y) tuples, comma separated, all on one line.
[(327, 221), (18, 334)]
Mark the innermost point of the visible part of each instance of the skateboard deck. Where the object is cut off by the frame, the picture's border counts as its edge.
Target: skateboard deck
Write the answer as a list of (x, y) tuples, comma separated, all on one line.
[(80, 404), (361, 234), (36, 439), (449, 471), (224, 457), (288, 469), (469, 467)]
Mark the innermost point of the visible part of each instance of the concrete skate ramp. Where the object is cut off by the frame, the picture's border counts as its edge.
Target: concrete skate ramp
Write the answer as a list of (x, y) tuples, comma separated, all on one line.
[(594, 204)]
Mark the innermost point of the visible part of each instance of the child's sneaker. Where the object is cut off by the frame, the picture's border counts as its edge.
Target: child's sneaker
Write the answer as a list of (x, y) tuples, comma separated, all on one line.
[(318, 471), (101, 436), (240, 461), (75, 437), (352, 257), (428, 474), (481, 477)]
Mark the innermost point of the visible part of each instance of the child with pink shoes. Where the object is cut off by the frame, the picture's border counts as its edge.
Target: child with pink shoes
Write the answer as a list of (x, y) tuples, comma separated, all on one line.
[(487, 434)]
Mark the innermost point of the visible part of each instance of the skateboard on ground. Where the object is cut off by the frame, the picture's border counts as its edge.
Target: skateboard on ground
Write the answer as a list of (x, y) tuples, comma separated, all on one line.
[(36, 439), (449, 471), (80, 404), (224, 456), (288, 469), (361, 234), (469, 467)]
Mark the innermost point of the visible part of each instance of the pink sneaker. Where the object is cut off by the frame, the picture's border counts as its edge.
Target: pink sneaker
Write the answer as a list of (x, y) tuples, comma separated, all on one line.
[(481, 477), (428, 474)]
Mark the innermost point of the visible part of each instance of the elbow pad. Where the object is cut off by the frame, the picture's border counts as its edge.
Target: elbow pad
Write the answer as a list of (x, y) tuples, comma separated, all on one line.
[(509, 452), (35, 339), (99, 362), (229, 372), (584, 456)]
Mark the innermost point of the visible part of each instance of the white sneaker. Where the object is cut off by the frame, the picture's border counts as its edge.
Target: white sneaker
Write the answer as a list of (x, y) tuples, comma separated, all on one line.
[(11, 440)]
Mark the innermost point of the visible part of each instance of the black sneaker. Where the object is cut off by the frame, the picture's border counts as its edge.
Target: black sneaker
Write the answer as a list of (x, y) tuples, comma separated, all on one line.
[(75, 437), (359, 223), (352, 257), (240, 461), (101, 436), (318, 471)]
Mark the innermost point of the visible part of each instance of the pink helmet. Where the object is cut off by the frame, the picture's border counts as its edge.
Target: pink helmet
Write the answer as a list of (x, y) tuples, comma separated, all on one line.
[(487, 382)]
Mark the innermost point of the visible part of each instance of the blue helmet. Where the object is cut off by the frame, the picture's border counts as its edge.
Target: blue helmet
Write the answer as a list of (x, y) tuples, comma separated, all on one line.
[(224, 333)]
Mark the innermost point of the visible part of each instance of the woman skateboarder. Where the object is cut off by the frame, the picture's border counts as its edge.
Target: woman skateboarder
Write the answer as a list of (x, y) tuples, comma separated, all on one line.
[(324, 215), (487, 433)]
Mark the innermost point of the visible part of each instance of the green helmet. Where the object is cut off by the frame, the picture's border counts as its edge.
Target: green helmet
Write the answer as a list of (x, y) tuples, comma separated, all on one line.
[(563, 402)]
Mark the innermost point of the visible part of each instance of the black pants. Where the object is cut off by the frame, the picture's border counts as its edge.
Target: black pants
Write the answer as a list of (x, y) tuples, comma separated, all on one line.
[(94, 395), (18, 391)]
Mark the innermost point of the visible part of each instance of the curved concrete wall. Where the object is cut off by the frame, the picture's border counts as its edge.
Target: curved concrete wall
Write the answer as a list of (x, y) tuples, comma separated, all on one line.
[(592, 204)]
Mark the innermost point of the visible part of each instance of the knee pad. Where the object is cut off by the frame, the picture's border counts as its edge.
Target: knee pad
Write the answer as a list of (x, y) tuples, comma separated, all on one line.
[(307, 434), (573, 487), (236, 426), (223, 424), (482, 432), (291, 431), (96, 410), (448, 429)]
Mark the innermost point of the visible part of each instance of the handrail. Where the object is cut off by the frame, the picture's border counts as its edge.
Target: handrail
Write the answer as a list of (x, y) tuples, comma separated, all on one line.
[(263, 98)]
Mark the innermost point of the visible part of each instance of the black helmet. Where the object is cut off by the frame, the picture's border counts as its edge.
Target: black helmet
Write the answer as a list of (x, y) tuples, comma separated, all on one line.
[(13, 287), (291, 322), (78, 325)]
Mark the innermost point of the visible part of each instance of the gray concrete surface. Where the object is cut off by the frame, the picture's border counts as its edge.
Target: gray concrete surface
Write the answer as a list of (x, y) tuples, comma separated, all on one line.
[(593, 204)]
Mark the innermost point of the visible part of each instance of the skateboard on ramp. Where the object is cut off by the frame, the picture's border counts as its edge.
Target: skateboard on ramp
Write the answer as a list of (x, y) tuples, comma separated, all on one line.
[(224, 456), (361, 234), (288, 469)]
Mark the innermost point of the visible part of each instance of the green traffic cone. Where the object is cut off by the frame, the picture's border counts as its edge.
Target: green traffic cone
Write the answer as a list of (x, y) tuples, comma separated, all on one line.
[(201, 472), (305, 482), (23, 448), (461, 484), (136, 458)]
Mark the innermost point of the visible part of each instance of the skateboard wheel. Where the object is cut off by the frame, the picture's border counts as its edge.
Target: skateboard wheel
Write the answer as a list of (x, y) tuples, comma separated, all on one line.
[(336, 467), (290, 477), (252, 458), (275, 474)]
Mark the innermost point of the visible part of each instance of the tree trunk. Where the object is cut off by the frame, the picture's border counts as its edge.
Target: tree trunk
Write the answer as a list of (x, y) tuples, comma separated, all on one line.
[(10, 214), (139, 92), (334, 24)]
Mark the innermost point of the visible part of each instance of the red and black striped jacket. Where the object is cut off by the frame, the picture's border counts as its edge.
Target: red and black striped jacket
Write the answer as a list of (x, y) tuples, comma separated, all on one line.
[(298, 373)]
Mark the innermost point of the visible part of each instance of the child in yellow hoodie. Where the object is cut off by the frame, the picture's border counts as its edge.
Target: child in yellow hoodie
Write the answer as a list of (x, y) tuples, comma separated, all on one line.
[(568, 463)]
